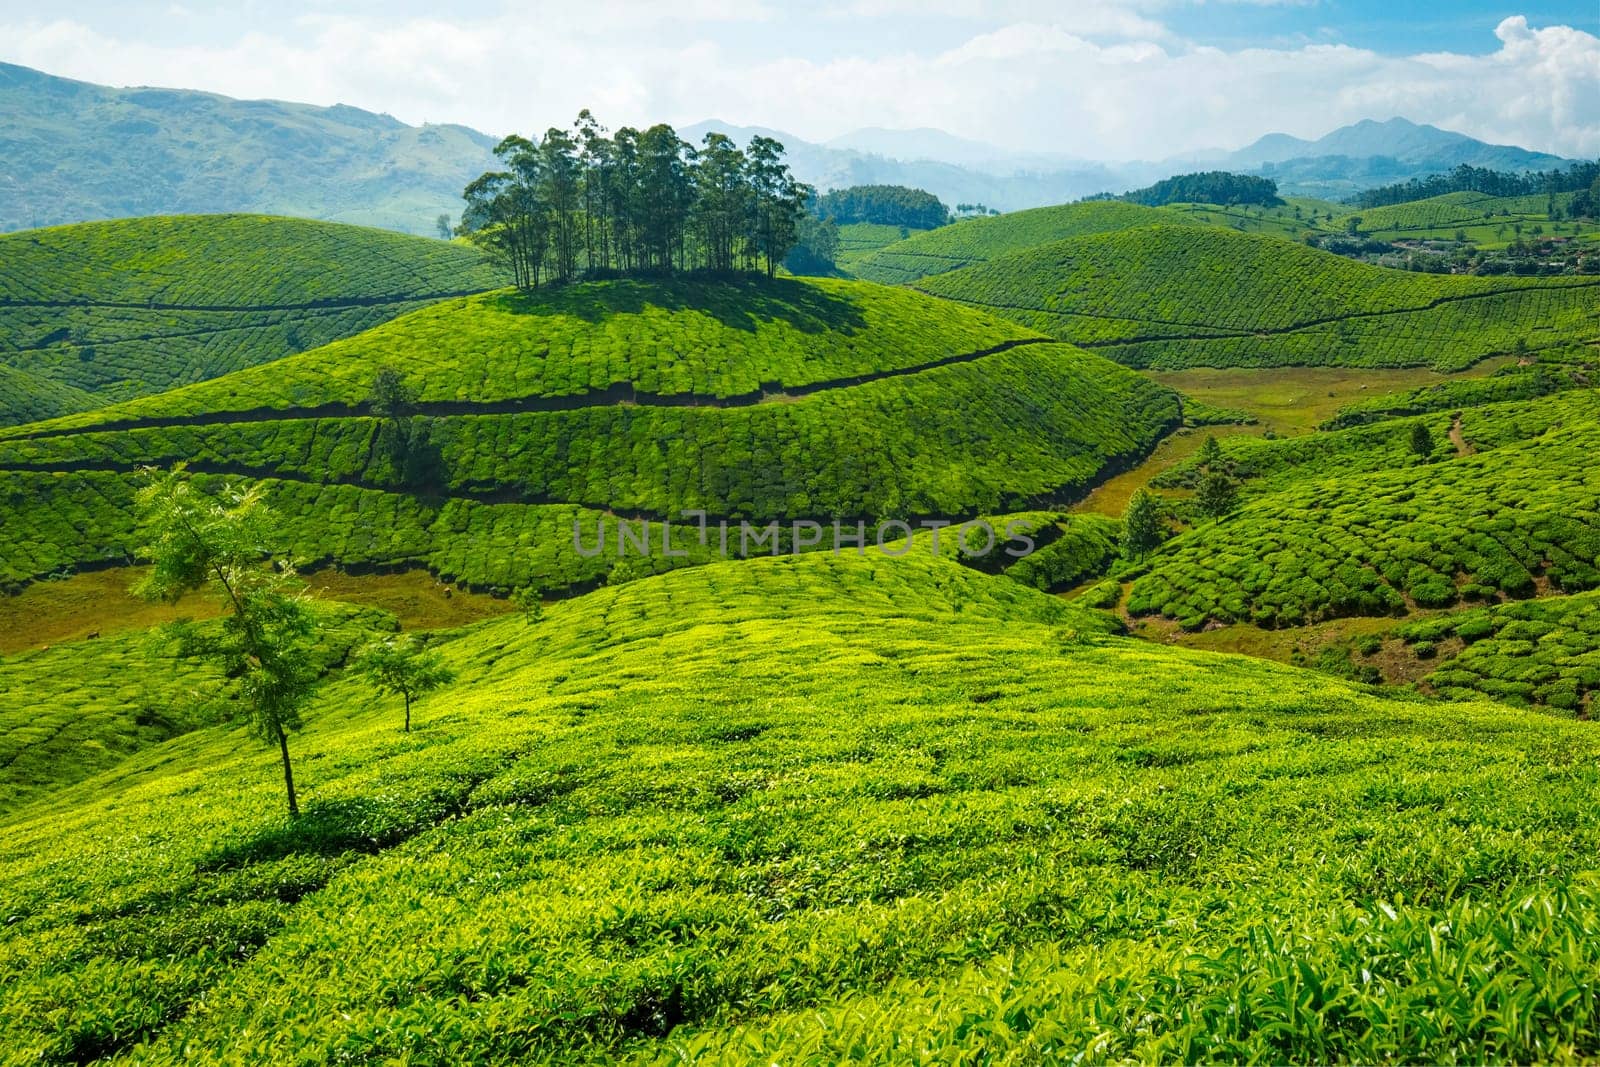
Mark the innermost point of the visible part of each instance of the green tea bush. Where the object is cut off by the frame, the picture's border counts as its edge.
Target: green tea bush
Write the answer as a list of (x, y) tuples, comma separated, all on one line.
[(1032, 424), (1170, 297), (136, 306), (979, 240), (1363, 544), (71, 711), (30, 398), (876, 806), (1543, 651), (738, 337), (1512, 383)]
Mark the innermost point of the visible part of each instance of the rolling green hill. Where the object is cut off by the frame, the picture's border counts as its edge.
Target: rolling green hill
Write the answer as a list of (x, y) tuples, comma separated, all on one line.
[(979, 240), (1544, 652), (1482, 219), (70, 711), (753, 399), (28, 398), (858, 240), (1172, 297), (873, 801), (125, 308), (1513, 516)]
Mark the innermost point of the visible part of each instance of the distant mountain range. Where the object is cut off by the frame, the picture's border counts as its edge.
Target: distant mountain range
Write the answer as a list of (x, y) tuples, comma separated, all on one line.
[(1371, 153), (72, 151)]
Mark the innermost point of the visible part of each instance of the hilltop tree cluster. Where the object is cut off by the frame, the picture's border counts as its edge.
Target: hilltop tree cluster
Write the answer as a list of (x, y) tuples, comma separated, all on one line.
[(889, 205), (633, 202), (1208, 187)]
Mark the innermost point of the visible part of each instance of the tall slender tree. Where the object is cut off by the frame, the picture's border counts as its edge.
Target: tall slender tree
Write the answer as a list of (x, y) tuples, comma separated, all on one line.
[(560, 191), (224, 543)]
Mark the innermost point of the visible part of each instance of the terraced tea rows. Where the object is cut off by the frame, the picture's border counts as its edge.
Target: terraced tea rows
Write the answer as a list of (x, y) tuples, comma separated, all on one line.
[(576, 854), (810, 400), (136, 306), (1266, 465), (1169, 298), (858, 240), (89, 521), (1511, 383), (690, 340), (28, 398), (1033, 423), (979, 240), (1441, 216), (1504, 522)]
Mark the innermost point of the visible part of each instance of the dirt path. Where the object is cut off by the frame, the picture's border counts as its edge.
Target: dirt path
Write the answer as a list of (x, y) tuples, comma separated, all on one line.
[(1463, 446)]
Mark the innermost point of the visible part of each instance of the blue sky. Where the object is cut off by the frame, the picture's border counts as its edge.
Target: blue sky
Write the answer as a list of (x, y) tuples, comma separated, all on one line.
[(1103, 79)]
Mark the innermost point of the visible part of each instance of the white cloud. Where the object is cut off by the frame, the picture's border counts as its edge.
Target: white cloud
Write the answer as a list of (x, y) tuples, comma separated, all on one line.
[(1098, 79)]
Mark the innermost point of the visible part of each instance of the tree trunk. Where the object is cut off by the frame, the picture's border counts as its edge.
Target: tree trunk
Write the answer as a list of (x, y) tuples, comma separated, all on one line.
[(288, 774), (408, 712)]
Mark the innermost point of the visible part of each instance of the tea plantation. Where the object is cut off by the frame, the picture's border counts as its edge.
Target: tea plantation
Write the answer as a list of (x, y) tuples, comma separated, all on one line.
[(858, 240), (70, 711), (1478, 217), (917, 803), (1507, 522), (1535, 652), (979, 240), (135, 306), (823, 809), (1169, 297), (685, 340), (763, 400), (27, 398)]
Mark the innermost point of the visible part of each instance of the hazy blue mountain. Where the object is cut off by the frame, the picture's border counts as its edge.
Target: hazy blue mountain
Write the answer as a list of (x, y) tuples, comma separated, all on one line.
[(71, 151), (1369, 153), (1006, 181)]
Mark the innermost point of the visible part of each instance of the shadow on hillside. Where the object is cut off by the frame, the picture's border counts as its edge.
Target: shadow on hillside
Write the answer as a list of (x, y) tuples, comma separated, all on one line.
[(324, 828), (739, 301)]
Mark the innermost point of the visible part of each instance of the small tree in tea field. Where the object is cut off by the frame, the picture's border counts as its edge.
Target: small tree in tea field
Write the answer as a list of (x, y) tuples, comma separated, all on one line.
[(224, 543), (1422, 440), (404, 667), (1216, 495), (530, 601), (1143, 530)]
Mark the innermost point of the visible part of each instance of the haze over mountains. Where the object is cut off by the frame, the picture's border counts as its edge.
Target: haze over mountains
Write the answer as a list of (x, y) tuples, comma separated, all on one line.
[(73, 151)]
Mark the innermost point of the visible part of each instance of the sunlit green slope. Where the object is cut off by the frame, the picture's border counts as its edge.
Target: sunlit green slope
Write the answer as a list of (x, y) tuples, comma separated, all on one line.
[(28, 398), (1169, 297), (69, 711), (978, 240), (677, 337), (858, 240), (1476, 217), (778, 809), (761, 400), (1362, 526), (135, 306)]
